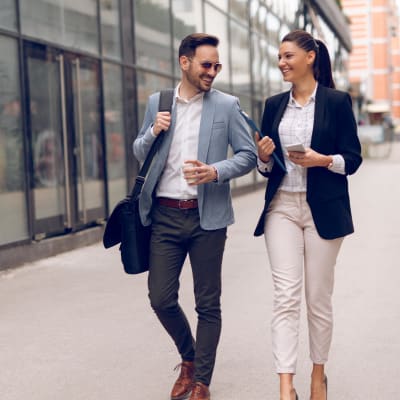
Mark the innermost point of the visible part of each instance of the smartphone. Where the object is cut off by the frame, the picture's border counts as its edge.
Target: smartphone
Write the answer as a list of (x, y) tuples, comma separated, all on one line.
[(296, 147)]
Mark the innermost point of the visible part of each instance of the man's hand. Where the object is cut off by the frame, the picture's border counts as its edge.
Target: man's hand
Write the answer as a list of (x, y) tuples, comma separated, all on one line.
[(265, 147), (199, 173), (162, 122)]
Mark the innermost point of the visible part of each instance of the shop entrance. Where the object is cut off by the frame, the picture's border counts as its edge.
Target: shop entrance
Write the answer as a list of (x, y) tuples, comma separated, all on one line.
[(64, 122)]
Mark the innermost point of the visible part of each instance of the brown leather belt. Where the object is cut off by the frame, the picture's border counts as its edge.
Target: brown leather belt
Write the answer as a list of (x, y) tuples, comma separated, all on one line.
[(175, 203)]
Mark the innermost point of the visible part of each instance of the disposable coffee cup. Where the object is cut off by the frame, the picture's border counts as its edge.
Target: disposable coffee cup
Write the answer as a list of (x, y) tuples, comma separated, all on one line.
[(185, 168)]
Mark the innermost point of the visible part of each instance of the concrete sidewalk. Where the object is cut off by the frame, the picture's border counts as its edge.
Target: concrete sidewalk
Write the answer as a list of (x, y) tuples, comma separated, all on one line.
[(75, 327)]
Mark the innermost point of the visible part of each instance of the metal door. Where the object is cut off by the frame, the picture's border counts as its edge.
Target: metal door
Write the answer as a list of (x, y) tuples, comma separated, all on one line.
[(65, 125)]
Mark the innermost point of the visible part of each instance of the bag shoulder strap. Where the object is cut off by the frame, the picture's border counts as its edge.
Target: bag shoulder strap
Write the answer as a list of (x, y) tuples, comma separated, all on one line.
[(166, 100), (164, 104)]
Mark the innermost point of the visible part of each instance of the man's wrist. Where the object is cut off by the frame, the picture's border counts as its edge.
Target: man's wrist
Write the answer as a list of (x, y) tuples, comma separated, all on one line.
[(216, 174)]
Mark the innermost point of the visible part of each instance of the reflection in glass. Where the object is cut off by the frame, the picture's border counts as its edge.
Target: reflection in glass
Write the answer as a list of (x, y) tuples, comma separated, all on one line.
[(115, 135), (275, 76), (259, 66), (291, 10), (153, 34), (256, 63), (284, 31), (273, 25), (258, 15), (72, 24), (264, 68), (240, 59), (12, 198), (276, 83), (217, 24), (47, 136), (148, 84), (86, 96), (186, 20), (239, 9), (222, 4), (110, 33), (8, 18), (277, 7)]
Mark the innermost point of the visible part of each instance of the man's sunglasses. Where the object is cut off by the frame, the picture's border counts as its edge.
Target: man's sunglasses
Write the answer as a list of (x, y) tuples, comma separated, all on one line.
[(208, 65)]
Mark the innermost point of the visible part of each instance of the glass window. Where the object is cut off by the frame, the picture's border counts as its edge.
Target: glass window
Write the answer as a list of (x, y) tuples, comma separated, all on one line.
[(275, 76), (186, 20), (327, 36), (46, 134), (222, 4), (115, 134), (8, 18), (273, 26), (256, 61), (217, 24), (277, 7), (259, 66), (291, 9), (239, 9), (264, 68), (258, 15), (148, 84), (12, 197), (240, 58), (72, 24), (284, 31), (110, 33), (153, 34), (254, 11)]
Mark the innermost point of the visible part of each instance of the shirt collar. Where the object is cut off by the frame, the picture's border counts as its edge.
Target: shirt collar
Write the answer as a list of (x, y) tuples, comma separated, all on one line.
[(293, 102), (182, 100)]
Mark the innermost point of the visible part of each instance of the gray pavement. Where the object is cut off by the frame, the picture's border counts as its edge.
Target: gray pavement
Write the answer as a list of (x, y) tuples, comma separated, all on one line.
[(75, 327)]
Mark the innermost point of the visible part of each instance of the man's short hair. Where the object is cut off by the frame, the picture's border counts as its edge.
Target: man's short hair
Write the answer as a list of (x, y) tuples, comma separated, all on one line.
[(190, 43)]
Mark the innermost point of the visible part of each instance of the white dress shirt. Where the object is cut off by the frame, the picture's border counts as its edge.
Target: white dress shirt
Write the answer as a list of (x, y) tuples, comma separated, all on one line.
[(184, 145), (296, 126)]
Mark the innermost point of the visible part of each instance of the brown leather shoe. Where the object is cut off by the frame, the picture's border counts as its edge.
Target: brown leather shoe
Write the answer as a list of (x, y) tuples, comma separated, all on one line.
[(184, 384), (200, 392)]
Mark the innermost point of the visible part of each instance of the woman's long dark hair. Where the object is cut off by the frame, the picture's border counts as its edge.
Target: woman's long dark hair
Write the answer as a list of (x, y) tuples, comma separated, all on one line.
[(322, 64)]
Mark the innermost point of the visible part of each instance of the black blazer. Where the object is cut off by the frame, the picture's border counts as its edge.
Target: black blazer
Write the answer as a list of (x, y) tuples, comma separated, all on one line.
[(334, 132)]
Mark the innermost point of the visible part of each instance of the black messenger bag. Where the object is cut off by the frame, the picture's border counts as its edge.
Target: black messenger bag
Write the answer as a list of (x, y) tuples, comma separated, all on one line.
[(124, 225)]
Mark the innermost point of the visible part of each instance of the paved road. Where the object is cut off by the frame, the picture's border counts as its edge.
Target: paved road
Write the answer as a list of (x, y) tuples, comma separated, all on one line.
[(75, 327)]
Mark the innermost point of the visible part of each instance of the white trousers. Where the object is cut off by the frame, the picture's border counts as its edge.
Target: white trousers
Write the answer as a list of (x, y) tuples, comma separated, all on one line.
[(294, 246)]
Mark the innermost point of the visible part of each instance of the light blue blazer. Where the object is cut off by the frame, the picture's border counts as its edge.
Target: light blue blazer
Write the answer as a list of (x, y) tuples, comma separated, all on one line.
[(221, 127)]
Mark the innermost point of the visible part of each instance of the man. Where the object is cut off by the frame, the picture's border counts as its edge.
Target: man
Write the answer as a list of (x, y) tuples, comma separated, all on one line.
[(191, 209)]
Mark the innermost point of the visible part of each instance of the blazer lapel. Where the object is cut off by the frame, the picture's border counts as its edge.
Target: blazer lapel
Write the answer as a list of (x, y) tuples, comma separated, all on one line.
[(206, 122), (319, 116), (281, 107)]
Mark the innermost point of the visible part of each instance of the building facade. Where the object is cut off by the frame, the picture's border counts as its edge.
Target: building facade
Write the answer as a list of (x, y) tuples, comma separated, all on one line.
[(374, 69), (74, 80)]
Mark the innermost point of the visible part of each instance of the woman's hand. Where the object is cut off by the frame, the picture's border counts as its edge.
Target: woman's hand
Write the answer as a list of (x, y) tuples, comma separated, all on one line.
[(309, 158), (265, 147)]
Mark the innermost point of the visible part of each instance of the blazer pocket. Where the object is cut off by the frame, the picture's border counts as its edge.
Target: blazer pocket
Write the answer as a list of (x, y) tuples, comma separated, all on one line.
[(218, 125)]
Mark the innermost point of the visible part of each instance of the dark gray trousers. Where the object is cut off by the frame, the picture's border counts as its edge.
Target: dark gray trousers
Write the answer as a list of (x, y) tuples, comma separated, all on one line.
[(175, 234)]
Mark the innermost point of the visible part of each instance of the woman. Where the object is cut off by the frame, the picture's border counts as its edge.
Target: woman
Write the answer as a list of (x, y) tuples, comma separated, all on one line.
[(307, 209)]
